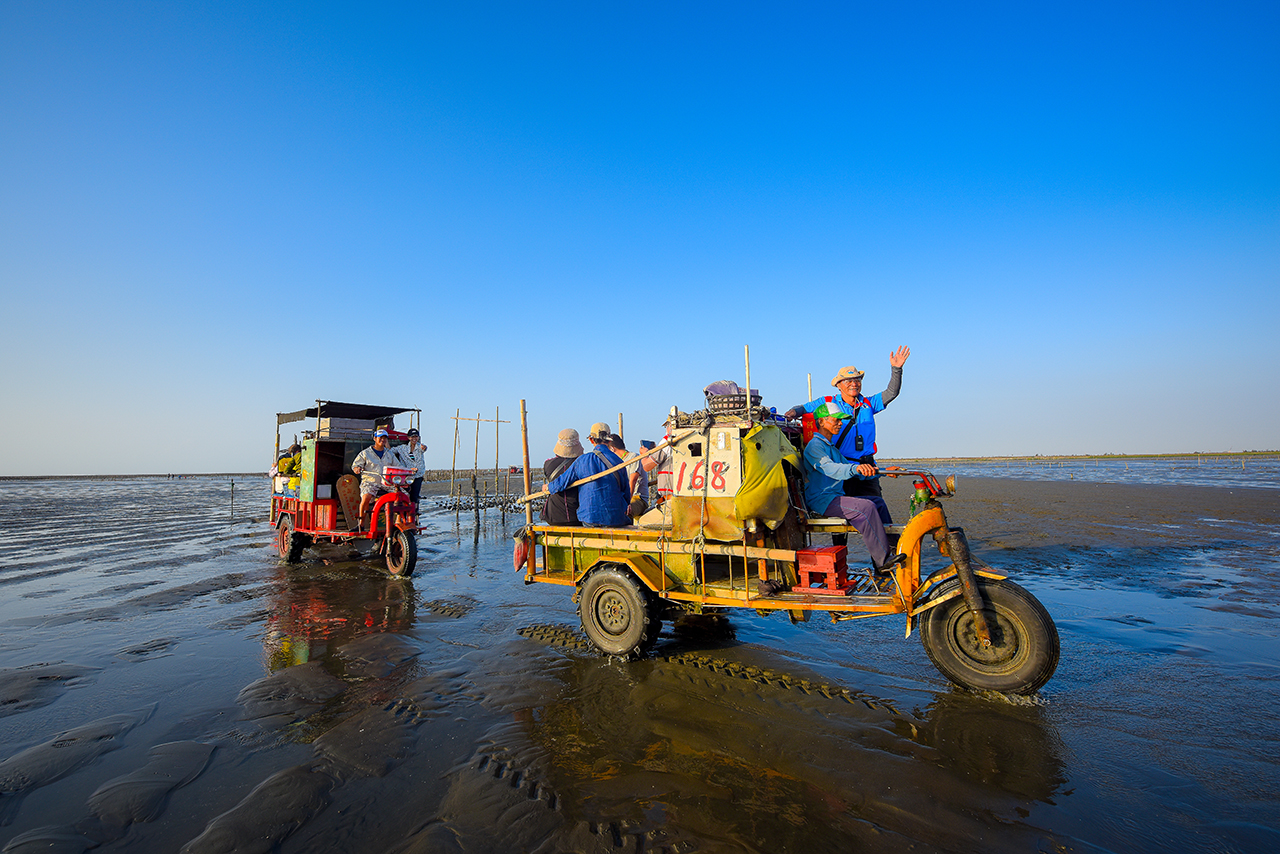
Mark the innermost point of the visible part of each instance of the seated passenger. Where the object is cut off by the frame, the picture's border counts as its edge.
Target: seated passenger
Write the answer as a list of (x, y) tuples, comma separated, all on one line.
[(638, 504), (290, 466), (562, 507), (659, 462), (414, 455), (369, 464), (857, 438), (602, 503), (826, 470)]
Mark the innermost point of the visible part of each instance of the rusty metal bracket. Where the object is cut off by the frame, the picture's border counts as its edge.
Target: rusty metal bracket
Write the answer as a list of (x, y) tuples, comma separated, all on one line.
[(958, 551)]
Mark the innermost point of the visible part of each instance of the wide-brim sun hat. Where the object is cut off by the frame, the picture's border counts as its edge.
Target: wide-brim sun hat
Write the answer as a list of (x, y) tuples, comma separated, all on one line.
[(848, 372), (567, 444)]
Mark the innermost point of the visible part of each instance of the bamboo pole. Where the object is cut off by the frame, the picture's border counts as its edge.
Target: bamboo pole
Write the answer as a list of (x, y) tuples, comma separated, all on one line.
[(453, 464), (524, 443), (810, 386), (496, 425), (596, 476), (620, 433), (746, 353)]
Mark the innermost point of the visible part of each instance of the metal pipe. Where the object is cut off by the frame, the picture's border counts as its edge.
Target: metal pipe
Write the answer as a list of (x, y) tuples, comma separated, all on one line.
[(958, 551)]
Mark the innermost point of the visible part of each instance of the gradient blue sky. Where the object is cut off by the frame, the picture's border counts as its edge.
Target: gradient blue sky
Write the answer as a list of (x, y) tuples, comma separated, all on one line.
[(211, 212)]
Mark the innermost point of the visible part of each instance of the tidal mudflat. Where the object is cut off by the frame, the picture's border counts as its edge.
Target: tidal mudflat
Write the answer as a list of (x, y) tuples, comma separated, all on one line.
[(167, 685)]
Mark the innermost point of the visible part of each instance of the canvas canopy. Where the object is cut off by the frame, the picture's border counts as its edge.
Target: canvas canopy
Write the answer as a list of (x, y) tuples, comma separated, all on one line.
[(334, 409)]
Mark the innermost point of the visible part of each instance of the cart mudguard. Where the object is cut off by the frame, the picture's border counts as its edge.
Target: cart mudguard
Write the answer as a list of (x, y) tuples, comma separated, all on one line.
[(927, 520), (381, 503), (645, 568), (930, 584)]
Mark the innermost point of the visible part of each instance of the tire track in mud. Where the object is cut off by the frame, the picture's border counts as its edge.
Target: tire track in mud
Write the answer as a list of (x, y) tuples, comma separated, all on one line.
[(500, 799), (568, 638)]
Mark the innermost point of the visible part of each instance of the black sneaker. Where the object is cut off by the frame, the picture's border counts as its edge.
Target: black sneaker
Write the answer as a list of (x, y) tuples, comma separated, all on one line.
[(890, 564), (768, 588)]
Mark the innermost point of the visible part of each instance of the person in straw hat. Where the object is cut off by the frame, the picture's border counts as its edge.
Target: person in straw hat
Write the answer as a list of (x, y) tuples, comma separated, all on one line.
[(562, 507), (856, 439), (602, 503)]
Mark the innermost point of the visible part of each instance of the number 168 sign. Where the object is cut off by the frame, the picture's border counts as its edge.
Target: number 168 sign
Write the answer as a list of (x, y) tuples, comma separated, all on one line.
[(697, 477)]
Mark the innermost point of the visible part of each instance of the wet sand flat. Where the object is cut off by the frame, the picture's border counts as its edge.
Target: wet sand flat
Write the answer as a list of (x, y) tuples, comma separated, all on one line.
[(167, 685)]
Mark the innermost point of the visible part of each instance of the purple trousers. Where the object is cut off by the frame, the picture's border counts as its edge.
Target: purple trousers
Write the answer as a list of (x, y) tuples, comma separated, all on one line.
[(863, 514)]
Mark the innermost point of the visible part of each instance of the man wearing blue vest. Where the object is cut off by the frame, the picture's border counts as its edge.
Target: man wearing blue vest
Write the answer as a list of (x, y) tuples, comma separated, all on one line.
[(856, 438)]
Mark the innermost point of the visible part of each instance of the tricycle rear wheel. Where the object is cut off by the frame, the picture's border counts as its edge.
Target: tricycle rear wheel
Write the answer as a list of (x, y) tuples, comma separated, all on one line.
[(1024, 641), (289, 543), (402, 554), (616, 613)]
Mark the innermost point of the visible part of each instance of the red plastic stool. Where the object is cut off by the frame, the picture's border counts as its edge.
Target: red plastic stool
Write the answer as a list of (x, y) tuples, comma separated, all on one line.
[(827, 565)]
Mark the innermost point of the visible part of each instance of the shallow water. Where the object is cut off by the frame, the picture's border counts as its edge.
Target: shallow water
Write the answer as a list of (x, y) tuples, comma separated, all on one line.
[(1194, 470), (166, 684)]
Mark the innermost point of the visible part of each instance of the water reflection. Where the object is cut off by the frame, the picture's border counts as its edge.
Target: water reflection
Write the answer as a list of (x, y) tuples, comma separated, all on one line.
[(747, 758), (318, 608)]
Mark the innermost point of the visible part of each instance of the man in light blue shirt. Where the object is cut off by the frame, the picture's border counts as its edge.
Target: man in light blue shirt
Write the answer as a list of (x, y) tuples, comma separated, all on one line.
[(602, 503), (826, 470)]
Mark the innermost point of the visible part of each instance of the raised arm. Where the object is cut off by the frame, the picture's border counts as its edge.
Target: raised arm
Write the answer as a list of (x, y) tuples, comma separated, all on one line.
[(897, 359)]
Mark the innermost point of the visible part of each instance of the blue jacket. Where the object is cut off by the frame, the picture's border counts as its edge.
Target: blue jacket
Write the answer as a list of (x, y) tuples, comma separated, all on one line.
[(603, 502), (825, 471), (864, 423)]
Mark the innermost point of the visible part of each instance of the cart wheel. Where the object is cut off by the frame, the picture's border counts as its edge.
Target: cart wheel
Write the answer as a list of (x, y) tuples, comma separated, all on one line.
[(616, 614), (402, 554), (289, 543), (1024, 641)]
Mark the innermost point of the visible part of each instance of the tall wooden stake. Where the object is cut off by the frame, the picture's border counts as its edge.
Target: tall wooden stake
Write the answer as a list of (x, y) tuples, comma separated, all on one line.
[(524, 445), (453, 465)]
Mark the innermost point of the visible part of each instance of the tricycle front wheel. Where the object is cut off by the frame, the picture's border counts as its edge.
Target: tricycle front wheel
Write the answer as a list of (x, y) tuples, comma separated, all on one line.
[(1024, 641), (402, 553)]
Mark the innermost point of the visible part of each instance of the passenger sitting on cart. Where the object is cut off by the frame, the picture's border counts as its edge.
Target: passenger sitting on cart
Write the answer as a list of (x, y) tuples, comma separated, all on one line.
[(369, 464), (290, 466), (826, 470), (561, 508), (602, 503)]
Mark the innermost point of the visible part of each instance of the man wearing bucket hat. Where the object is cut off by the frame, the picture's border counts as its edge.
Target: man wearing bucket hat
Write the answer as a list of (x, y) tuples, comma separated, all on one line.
[(369, 464), (562, 507), (602, 503), (826, 470), (857, 437)]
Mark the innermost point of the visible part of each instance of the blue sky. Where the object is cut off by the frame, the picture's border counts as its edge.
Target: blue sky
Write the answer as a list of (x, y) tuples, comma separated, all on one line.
[(213, 212)]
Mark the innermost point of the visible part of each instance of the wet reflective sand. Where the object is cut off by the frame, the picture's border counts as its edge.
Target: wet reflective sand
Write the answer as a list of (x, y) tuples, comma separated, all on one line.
[(166, 685)]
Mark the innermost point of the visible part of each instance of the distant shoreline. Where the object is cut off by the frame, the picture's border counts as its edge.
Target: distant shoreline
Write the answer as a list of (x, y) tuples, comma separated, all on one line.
[(1033, 458), (434, 475)]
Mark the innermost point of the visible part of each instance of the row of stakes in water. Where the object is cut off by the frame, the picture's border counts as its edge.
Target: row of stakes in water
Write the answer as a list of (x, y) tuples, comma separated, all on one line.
[(505, 503)]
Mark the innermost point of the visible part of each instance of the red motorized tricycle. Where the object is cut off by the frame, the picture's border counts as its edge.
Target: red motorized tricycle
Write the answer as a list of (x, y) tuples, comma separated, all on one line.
[(320, 501)]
